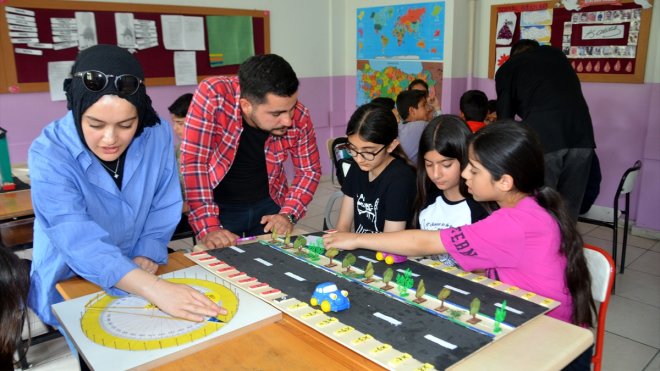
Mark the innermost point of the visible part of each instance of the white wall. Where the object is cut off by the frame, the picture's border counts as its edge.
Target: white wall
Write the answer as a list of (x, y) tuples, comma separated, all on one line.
[(299, 29)]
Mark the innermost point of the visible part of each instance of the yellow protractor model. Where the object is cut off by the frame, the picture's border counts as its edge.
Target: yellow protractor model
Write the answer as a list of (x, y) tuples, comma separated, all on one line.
[(132, 323)]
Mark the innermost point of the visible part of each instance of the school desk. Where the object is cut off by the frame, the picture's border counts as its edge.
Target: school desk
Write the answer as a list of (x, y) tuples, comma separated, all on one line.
[(15, 204), (542, 344)]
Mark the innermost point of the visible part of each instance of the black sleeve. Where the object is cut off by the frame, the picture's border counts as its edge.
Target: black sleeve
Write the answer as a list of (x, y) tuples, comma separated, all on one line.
[(349, 187), (477, 210)]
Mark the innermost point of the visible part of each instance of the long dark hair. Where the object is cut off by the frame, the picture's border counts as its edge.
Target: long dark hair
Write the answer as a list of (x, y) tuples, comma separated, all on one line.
[(14, 287), (508, 147), (376, 124), (447, 135)]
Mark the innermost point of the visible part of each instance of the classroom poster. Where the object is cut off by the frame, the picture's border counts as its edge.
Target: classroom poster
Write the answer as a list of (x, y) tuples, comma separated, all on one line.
[(411, 31), (230, 39), (387, 78)]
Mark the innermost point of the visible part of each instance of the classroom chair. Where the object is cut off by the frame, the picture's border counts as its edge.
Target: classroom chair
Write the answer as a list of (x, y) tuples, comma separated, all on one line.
[(602, 270), (609, 217)]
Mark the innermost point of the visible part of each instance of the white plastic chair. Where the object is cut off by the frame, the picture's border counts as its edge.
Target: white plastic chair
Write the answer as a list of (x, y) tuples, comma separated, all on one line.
[(602, 270)]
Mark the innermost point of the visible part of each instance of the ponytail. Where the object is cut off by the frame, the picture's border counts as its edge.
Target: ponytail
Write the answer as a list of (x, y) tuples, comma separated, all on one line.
[(578, 279)]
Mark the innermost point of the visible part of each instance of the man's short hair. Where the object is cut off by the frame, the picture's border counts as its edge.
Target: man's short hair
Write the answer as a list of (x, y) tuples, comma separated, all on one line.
[(418, 82), (407, 99), (267, 73), (523, 45), (180, 106), (474, 105)]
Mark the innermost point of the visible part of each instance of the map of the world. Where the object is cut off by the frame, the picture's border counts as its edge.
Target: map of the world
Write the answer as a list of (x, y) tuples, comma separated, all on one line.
[(412, 31), (387, 78)]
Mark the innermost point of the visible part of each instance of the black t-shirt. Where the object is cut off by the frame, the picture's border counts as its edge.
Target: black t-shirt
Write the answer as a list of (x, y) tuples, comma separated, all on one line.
[(247, 179), (388, 197)]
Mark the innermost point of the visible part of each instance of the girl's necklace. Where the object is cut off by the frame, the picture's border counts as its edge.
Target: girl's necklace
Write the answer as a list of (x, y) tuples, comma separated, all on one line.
[(115, 172)]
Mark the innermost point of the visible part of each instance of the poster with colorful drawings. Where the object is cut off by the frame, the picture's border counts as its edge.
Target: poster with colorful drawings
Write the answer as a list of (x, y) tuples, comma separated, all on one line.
[(387, 78), (411, 31)]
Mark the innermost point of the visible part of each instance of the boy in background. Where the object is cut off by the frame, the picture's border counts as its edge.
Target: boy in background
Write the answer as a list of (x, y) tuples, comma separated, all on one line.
[(492, 112), (415, 113), (474, 108)]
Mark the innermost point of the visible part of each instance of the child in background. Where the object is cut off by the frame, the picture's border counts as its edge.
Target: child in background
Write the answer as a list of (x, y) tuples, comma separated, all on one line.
[(178, 111), (389, 103), (419, 84), (442, 198), (379, 191), (415, 113), (530, 242), (492, 112), (14, 286), (474, 108)]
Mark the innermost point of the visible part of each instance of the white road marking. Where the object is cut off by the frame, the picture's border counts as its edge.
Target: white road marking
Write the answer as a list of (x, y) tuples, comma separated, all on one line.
[(440, 342), (295, 277), (237, 249), (389, 319), (264, 262), (510, 309), (452, 288)]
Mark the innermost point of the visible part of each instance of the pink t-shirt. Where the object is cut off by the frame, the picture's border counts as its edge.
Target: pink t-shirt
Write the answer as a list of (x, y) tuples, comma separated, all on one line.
[(518, 246)]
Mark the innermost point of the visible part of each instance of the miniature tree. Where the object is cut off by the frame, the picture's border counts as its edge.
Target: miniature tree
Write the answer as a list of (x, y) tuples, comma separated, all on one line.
[(348, 262), (442, 296), (368, 273), (314, 252), (299, 243), (387, 277), (475, 305), (500, 315), (404, 282), (419, 294), (274, 236), (287, 240), (455, 314), (331, 253)]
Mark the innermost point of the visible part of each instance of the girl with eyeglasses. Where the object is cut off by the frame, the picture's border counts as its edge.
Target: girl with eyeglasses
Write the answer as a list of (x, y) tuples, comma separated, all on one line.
[(105, 191), (380, 187)]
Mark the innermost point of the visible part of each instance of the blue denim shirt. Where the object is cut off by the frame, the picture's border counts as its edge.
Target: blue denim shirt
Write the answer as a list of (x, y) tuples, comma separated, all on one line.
[(84, 224)]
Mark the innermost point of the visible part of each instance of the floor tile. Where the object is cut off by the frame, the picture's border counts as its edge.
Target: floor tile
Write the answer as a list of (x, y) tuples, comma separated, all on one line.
[(43, 354), (655, 363), (656, 247), (585, 228), (639, 286), (606, 233), (649, 262), (634, 320), (620, 353)]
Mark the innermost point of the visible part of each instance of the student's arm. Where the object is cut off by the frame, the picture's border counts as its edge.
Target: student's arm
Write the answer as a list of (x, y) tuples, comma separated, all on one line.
[(412, 242), (345, 220), (306, 164), (180, 301)]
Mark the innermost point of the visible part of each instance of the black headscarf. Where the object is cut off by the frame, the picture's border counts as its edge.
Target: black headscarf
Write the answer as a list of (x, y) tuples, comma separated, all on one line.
[(111, 60)]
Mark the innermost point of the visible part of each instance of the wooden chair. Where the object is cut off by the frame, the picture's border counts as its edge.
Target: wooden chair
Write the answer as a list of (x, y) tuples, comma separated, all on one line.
[(609, 217), (602, 270)]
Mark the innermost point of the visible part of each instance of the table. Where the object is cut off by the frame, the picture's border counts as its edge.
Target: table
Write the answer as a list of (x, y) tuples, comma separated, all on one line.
[(15, 204), (542, 344)]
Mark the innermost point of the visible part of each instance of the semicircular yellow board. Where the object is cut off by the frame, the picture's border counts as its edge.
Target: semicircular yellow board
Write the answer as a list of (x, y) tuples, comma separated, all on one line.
[(132, 323)]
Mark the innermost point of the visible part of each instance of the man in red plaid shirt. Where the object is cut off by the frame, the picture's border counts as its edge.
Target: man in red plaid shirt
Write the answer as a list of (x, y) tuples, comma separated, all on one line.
[(238, 133)]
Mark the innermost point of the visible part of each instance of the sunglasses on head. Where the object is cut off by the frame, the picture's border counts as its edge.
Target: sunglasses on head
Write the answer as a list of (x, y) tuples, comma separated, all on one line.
[(97, 81)]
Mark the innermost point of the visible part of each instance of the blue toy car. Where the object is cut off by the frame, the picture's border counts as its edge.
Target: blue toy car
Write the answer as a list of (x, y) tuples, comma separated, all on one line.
[(331, 299)]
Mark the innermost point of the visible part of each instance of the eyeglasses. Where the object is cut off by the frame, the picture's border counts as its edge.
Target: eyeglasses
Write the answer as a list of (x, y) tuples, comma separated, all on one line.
[(97, 81), (368, 156)]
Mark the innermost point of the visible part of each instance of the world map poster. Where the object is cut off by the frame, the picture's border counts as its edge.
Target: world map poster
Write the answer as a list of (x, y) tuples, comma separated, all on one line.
[(411, 31), (387, 78)]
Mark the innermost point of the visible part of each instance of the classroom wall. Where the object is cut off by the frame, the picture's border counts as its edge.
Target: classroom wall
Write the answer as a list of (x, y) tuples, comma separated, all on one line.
[(626, 121), (320, 45)]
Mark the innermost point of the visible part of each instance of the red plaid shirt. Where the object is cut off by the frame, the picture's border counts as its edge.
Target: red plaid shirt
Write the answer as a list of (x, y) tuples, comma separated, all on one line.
[(210, 139)]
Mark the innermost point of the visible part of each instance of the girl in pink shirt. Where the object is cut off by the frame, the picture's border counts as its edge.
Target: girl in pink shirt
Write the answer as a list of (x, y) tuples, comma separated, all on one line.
[(530, 241)]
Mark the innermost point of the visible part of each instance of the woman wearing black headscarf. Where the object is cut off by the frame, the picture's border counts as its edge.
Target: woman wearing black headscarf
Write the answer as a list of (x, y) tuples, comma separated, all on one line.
[(105, 191)]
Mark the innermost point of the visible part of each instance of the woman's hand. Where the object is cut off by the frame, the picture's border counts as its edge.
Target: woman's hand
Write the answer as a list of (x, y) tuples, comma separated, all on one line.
[(182, 301), (341, 240), (146, 264)]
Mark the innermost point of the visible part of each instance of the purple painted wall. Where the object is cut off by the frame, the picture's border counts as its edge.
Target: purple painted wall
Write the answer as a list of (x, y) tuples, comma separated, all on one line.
[(626, 125)]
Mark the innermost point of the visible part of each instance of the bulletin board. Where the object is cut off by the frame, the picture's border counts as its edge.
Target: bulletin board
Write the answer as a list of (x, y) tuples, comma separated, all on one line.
[(604, 40), (29, 73)]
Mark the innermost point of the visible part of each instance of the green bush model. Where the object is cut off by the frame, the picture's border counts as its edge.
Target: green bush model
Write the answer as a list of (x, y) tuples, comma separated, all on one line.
[(442, 296), (475, 305), (348, 262), (368, 273), (419, 294), (404, 282), (274, 236), (387, 277), (331, 253)]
